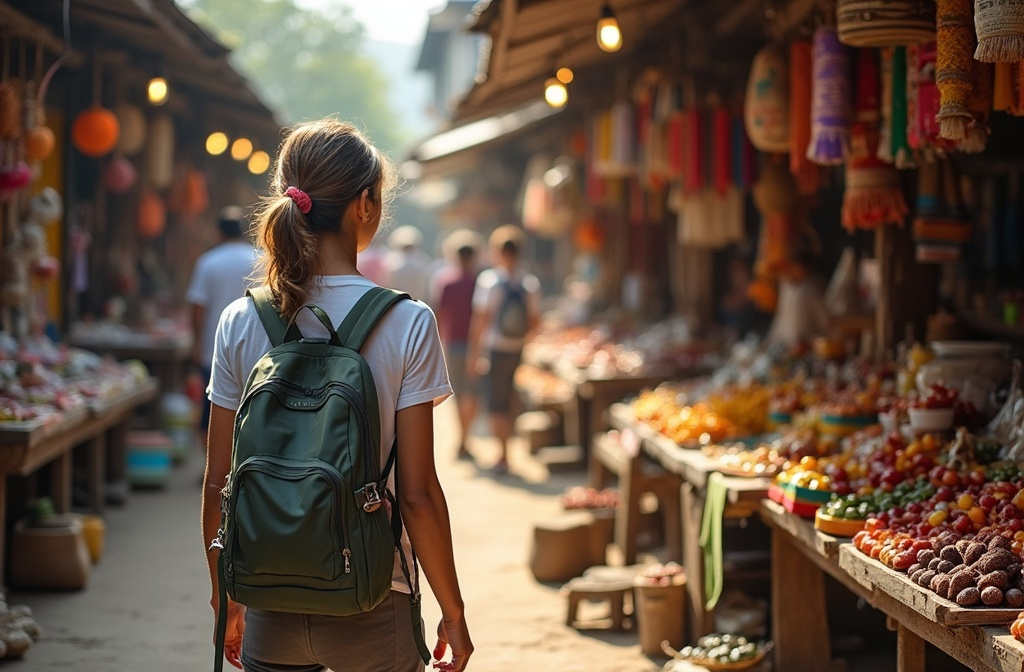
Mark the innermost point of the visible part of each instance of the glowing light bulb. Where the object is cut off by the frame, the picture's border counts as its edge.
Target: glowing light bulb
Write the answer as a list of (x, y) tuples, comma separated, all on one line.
[(216, 143), (259, 162), (241, 149), (609, 36), (157, 91), (555, 92), (564, 75)]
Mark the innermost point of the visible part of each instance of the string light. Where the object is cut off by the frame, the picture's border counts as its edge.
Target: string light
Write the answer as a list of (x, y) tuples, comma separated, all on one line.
[(609, 35), (259, 162), (216, 143), (555, 92), (564, 75), (157, 91), (241, 149)]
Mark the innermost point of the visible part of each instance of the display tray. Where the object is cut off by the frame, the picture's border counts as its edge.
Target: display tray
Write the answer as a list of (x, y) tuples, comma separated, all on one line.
[(27, 432), (840, 527), (873, 574), (715, 665), (803, 502)]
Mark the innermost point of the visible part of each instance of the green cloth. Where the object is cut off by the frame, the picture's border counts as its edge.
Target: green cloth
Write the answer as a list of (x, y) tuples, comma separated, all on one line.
[(898, 116), (711, 538)]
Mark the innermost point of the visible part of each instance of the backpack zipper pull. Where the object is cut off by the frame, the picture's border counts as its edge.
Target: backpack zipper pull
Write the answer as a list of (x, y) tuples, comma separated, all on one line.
[(348, 560)]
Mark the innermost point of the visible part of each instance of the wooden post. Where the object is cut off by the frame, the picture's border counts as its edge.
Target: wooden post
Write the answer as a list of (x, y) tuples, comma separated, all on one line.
[(910, 654), (799, 626), (908, 291)]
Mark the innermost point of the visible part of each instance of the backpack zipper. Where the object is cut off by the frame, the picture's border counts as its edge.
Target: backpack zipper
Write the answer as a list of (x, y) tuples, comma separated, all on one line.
[(277, 469), (350, 394)]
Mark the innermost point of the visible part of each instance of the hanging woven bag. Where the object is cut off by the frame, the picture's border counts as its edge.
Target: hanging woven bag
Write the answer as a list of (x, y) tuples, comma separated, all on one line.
[(885, 23)]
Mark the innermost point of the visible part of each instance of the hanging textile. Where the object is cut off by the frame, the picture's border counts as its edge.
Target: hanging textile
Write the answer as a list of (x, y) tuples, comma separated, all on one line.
[(954, 43), (777, 200), (623, 139), (873, 195), (898, 118), (721, 150), (744, 161), (766, 104), (806, 172), (1000, 28), (924, 127), (979, 105), (830, 87), (885, 23), (941, 226), (885, 108), (693, 150), (1002, 93)]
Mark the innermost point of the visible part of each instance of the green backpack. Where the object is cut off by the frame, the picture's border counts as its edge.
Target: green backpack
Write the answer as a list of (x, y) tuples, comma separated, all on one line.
[(304, 528)]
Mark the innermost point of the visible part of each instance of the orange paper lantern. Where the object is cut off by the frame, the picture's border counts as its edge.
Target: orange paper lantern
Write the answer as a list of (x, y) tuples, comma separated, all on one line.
[(151, 216), (95, 131), (39, 143)]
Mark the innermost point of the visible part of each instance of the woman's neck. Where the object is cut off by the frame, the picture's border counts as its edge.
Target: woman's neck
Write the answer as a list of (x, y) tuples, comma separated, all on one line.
[(337, 257)]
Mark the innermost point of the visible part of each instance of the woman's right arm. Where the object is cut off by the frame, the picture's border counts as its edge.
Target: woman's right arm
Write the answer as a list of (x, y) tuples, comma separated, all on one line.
[(425, 513)]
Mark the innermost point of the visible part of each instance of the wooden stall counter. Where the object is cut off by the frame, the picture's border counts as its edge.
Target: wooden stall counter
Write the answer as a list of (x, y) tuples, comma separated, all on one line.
[(25, 447), (801, 559)]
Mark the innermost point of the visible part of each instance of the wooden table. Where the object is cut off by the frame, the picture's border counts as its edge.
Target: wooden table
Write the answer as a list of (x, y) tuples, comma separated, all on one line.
[(801, 559), (743, 497), (99, 428)]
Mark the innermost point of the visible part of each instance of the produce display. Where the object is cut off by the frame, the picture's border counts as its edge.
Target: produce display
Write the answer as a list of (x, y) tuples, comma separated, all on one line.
[(586, 498), (719, 651), (541, 385)]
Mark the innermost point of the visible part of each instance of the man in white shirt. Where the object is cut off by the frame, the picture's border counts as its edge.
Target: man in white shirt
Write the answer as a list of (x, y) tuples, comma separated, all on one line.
[(220, 276), (506, 311), (407, 266)]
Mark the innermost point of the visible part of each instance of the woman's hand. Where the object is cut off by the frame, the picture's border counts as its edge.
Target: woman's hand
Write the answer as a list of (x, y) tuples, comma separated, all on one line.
[(456, 635), (234, 634)]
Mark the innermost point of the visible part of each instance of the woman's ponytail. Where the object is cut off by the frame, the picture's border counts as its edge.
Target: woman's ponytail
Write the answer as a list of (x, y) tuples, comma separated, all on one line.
[(289, 263)]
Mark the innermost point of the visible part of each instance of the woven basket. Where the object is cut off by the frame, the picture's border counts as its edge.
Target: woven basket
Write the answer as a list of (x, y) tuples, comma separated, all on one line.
[(885, 23)]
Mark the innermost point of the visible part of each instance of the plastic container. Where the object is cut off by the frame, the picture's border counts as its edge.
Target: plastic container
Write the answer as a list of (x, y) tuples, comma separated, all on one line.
[(51, 557), (149, 458), (660, 615), (95, 531), (930, 419)]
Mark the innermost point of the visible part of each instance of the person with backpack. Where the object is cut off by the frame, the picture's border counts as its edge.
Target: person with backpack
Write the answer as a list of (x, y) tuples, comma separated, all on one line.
[(320, 496), (506, 309)]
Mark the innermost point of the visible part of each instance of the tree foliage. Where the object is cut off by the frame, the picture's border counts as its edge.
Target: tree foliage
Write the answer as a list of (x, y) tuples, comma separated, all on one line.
[(305, 63)]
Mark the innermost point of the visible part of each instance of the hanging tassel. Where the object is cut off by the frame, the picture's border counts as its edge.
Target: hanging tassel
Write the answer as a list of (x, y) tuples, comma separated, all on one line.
[(954, 39), (830, 121), (806, 172), (766, 103), (898, 118), (873, 194), (1000, 26), (979, 104), (721, 154)]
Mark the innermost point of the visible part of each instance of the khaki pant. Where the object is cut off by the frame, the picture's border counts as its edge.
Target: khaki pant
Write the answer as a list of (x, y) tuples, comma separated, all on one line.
[(376, 641)]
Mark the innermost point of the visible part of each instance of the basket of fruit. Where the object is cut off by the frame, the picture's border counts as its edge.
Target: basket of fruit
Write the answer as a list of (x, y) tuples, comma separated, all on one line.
[(720, 652)]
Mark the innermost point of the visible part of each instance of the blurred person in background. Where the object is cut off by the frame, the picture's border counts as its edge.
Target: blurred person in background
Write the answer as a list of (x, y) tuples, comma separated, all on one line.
[(451, 294), (219, 276), (407, 266), (506, 311)]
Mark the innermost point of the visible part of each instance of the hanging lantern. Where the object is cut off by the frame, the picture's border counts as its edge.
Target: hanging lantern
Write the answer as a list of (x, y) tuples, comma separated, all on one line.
[(188, 195), (95, 131), (159, 164), (119, 176), (151, 216), (133, 129), (766, 104), (39, 143)]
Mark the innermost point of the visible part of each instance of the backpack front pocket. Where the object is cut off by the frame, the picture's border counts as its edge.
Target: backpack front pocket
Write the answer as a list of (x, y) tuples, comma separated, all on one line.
[(288, 519)]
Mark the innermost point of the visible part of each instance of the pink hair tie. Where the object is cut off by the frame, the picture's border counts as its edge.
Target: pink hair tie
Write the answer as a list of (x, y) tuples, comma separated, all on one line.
[(301, 199)]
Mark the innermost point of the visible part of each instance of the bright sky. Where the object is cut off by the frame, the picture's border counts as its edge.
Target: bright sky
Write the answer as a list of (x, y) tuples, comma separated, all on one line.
[(402, 21)]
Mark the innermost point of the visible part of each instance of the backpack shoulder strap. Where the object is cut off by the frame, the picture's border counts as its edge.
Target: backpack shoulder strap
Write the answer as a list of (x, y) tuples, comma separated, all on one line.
[(275, 325), (364, 316)]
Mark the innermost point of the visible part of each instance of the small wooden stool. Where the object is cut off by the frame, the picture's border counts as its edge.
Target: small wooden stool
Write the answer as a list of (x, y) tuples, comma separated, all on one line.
[(595, 588)]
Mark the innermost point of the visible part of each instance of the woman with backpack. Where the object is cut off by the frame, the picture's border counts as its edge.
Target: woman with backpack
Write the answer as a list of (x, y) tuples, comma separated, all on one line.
[(327, 196)]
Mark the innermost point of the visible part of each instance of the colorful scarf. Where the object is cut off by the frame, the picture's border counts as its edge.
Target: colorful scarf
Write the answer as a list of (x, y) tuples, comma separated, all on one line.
[(830, 113), (954, 42), (1000, 27), (979, 105), (898, 119), (721, 151)]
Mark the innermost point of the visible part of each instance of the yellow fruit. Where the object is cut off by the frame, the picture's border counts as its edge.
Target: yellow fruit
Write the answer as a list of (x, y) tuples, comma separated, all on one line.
[(937, 518), (977, 515), (965, 502)]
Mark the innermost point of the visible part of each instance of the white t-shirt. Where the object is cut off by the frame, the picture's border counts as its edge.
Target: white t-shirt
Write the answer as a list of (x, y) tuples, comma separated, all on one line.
[(409, 272), (220, 276), (488, 295), (403, 353)]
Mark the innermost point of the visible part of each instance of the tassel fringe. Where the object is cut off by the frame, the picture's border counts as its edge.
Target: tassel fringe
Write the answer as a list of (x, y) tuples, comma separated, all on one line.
[(871, 208), (954, 127), (828, 147), (1000, 49), (975, 141)]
